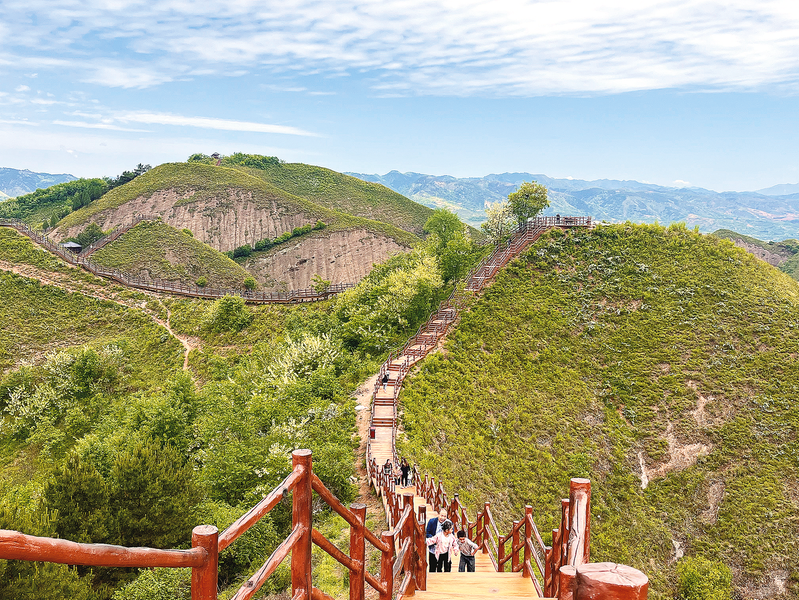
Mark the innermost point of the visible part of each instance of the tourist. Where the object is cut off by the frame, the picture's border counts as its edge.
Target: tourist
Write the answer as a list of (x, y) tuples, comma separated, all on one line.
[(434, 527), (445, 545), (384, 381), (467, 549), (406, 472)]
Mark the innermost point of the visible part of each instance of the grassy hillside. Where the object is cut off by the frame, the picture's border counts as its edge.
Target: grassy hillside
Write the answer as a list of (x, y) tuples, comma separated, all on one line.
[(343, 193), (619, 352), (198, 181), (787, 249), (170, 254)]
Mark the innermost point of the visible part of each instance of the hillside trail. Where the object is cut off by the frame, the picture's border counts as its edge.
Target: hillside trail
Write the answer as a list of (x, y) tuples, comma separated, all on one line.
[(99, 292)]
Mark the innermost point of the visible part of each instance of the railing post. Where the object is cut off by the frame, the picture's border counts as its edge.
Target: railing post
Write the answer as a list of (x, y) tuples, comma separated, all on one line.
[(514, 561), (204, 579), (555, 556), (580, 522), (564, 530), (407, 533), (387, 565), (528, 538), (500, 554), (358, 553), (420, 551), (486, 508), (301, 515)]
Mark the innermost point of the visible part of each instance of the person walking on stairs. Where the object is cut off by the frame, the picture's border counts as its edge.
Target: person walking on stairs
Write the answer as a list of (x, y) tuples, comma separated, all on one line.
[(384, 381), (406, 471), (434, 527), (468, 549), (446, 546)]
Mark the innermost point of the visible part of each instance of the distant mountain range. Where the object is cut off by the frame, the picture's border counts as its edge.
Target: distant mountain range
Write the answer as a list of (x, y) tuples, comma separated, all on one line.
[(770, 214), (16, 182)]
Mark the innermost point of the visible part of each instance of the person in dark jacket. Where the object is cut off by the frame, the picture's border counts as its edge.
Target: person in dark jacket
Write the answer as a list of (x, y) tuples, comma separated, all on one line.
[(434, 526)]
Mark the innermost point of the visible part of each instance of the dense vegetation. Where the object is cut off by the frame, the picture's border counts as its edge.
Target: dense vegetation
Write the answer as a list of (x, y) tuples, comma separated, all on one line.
[(46, 207), (661, 364), (104, 439), (170, 254)]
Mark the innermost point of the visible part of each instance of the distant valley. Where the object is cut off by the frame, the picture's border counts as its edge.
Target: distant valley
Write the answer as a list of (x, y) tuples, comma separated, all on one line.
[(770, 214)]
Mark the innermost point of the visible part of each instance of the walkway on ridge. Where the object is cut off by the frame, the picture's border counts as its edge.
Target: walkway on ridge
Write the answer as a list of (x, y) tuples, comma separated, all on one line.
[(486, 582)]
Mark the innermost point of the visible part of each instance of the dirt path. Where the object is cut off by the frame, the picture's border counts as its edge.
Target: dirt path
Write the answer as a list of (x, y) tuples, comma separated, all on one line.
[(99, 292)]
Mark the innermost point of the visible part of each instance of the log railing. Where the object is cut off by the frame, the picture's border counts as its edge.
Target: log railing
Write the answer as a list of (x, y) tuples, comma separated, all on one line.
[(522, 549), (203, 556), (171, 287)]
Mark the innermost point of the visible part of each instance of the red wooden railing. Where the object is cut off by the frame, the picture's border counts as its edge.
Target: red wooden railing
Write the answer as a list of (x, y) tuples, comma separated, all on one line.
[(527, 553), (171, 287), (207, 543)]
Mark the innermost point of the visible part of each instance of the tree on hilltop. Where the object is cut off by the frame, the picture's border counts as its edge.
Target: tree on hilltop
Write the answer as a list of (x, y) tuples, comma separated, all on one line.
[(529, 200), (499, 221)]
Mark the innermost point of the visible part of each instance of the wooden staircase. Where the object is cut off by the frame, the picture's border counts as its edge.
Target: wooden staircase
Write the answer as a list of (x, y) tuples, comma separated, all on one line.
[(489, 580)]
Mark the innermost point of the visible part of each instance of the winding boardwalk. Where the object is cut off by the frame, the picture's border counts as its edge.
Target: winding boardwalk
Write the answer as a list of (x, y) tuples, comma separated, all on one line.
[(486, 582)]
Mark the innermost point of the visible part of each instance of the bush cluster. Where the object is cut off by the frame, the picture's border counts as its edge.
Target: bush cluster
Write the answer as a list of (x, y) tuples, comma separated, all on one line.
[(266, 243)]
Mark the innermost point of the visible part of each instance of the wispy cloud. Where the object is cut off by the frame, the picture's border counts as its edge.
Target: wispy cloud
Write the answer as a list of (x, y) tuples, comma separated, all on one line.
[(18, 122), (209, 123), (463, 47), (87, 125)]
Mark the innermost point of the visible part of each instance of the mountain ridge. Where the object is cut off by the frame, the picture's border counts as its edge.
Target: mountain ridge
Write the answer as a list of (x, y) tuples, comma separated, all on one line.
[(766, 216), (17, 182)]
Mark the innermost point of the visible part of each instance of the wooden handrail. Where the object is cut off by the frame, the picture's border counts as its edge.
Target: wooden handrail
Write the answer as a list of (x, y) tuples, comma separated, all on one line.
[(329, 547), (19, 546), (157, 285), (248, 519), (254, 583)]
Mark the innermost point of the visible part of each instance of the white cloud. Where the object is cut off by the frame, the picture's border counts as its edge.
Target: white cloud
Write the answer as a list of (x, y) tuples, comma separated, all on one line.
[(22, 88), (209, 123), (18, 122), (86, 125), (681, 184), (462, 47)]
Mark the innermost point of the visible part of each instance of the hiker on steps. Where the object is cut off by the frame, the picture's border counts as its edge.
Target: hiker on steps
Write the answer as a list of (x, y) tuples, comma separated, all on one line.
[(434, 527), (446, 546), (405, 468), (468, 549), (384, 381)]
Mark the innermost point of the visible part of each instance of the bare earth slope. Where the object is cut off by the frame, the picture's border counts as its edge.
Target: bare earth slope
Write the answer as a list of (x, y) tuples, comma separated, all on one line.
[(228, 207)]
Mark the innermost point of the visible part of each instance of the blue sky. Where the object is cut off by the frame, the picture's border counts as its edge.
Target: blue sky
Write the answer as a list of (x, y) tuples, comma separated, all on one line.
[(703, 93)]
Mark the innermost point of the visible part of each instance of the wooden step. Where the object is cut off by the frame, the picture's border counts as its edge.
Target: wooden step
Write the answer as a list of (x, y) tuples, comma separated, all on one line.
[(476, 586)]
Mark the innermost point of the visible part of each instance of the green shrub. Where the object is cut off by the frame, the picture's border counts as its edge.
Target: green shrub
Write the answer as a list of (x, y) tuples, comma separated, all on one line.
[(229, 313), (701, 579), (158, 584), (202, 281), (250, 283), (242, 251), (187, 231)]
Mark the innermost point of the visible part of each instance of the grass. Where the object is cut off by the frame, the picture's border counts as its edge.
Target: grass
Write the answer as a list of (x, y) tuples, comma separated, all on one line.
[(787, 249), (343, 193), (195, 182), (170, 254), (591, 352), (47, 318)]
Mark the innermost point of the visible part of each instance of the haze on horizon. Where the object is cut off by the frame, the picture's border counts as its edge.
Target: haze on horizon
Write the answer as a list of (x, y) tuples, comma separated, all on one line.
[(700, 93)]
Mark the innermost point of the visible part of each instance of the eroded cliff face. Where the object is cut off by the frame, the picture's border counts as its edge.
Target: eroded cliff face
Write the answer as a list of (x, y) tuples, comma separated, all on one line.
[(338, 256), (775, 258), (223, 223)]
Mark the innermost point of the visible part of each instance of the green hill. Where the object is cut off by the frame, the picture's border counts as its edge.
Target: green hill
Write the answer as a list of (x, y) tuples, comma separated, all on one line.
[(343, 193), (164, 252), (784, 255), (658, 362), (215, 189)]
